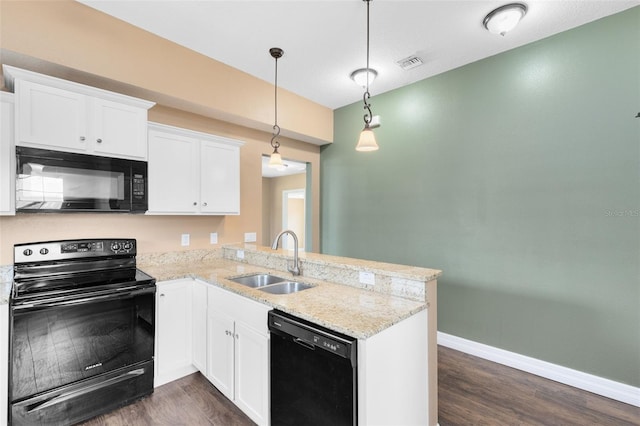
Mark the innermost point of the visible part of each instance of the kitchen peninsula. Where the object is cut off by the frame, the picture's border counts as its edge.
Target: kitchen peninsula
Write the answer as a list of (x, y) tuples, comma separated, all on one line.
[(392, 314)]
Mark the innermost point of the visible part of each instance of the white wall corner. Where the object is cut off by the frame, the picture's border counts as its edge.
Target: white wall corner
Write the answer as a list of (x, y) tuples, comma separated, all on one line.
[(588, 382)]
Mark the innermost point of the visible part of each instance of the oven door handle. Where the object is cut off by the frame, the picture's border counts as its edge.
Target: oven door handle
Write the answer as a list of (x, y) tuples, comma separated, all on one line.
[(85, 390), (123, 293)]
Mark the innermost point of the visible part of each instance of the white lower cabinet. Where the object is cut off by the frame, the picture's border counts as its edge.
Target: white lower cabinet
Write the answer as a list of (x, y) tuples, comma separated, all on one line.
[(238, 351), (173, 339)]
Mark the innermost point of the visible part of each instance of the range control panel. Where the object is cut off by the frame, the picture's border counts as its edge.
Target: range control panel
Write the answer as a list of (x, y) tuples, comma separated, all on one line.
[(72, 249)]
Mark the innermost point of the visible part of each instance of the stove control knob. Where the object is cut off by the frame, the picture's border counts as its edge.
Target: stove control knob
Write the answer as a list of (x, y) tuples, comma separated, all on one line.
[(127, 246), (115, 246), (27, 252), (44, 251)]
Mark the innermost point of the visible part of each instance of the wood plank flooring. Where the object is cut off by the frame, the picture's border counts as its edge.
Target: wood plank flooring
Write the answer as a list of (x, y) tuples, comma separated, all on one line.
[(190, 401), (472, 391)]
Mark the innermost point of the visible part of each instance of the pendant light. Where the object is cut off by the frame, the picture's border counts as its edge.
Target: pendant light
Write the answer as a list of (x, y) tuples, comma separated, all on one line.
[(275, 161), (367, 140)]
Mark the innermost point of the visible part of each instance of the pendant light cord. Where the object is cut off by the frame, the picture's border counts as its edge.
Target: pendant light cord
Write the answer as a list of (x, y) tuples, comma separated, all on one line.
[(276, 129), (366, 96)]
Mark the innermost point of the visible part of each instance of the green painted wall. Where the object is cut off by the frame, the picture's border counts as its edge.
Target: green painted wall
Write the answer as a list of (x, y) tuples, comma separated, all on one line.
[(519, 176)]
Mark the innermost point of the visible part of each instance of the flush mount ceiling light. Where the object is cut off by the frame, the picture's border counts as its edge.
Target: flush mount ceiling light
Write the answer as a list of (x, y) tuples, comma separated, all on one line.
[(367, 140), (505, 18), (360, 76), (275, 160)]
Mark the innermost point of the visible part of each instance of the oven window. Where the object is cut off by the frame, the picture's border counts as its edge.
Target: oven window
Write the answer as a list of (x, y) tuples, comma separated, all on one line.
[(58, 345), (39, 183)]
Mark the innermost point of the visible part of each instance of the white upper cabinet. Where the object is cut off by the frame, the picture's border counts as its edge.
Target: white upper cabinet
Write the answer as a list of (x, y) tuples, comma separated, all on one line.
[(192, 172), (7, 156), (61, 115)]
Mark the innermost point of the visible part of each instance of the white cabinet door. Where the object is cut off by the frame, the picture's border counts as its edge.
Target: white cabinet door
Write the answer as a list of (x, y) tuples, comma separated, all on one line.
[(118, 130), (220, 329), (49, 117), (173, 331), (199, 326), (220, 178), (251, 373), (173, 173), (7, 156)]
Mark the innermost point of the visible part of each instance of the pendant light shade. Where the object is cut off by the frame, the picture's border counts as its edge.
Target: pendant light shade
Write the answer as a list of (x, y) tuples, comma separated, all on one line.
[(367, 140), (275, 161)]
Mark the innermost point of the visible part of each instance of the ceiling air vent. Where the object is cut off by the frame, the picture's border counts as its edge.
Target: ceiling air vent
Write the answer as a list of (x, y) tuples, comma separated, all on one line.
[(410, 62)]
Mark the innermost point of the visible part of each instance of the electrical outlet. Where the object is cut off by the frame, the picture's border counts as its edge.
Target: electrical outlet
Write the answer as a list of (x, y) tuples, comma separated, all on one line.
[(250, 237), (367, 278), (240, 254), (213, 238), (185, 240)]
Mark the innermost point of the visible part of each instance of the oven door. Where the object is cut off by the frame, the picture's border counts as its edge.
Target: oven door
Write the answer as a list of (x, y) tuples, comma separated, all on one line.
[(60, 181), (63, 343)]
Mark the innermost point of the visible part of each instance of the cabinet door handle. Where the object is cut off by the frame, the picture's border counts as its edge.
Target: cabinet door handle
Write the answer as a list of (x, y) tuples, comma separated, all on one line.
[(82, 138), (204, 204), (161, 294), (195, 204), (99, 140)]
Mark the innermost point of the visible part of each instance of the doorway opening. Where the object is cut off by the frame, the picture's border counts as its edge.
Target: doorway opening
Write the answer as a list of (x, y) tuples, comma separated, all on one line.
[(285, 198)]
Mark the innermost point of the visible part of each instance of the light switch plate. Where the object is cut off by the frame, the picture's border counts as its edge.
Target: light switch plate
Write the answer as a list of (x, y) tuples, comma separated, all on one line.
[(240, 254), (250, 237), (185, 240), (213, 238), (367, 278)]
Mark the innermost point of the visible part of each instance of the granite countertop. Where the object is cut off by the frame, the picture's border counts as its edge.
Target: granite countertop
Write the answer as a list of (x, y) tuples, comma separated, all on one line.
[(6, 281), (353, 311)]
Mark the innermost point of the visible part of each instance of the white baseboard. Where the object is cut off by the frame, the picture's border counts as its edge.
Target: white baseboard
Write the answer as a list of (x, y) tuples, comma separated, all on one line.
[(578, 379)]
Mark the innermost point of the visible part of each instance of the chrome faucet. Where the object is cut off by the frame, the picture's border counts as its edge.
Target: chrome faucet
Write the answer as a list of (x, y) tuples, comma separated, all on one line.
[(295, 269)]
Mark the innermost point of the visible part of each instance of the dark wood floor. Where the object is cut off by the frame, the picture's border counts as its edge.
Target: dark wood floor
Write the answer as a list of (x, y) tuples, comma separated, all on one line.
[(190, 401), (472, 391)]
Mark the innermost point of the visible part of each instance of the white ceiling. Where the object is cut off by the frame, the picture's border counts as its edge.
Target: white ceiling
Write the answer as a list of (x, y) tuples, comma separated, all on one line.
[(325, 40)]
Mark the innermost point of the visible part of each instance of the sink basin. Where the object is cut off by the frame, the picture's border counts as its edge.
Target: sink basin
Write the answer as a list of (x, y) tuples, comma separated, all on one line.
[(286, 287), (257, 280)]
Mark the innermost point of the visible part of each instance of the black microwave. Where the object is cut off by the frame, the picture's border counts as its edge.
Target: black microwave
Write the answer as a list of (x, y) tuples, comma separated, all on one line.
[(54, 181)]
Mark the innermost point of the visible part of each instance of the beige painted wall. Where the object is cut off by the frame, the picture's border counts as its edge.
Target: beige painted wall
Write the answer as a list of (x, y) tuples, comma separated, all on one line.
[(274, 191), (46, 34)]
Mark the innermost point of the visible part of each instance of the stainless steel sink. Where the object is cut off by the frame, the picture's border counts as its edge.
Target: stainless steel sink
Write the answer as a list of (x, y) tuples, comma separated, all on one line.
[(285, 287), (257, 280)]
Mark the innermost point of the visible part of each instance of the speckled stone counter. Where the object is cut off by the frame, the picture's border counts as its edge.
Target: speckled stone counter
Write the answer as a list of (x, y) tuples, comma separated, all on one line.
[(351, 309), (6, 280)]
